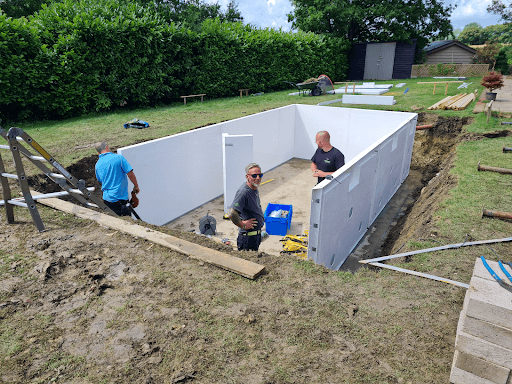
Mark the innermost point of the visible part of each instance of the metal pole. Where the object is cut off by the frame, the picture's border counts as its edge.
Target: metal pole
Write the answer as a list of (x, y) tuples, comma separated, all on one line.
[(419, 127), (507, 149), (497, 214), (494, 169)]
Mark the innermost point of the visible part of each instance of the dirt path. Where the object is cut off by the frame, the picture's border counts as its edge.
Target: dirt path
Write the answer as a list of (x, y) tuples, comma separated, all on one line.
[(83, 304)]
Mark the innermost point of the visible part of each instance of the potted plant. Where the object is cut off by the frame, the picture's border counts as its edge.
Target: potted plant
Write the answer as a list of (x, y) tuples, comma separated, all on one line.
[(492, 81)]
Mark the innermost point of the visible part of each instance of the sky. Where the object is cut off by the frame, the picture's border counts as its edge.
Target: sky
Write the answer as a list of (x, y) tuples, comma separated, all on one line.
[(272, 13)]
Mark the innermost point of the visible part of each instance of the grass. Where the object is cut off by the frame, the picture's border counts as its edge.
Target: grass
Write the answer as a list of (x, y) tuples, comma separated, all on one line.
[(376, 328), (65, 139)]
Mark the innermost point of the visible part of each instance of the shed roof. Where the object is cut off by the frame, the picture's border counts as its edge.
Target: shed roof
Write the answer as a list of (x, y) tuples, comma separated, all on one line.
[(443, 44)]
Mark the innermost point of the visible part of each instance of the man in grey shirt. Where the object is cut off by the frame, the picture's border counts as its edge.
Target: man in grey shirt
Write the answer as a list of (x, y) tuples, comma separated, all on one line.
[(246, 212)]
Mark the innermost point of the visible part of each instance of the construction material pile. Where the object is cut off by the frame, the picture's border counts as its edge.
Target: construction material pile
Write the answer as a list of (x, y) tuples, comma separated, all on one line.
[(457, 102), (296, 245)]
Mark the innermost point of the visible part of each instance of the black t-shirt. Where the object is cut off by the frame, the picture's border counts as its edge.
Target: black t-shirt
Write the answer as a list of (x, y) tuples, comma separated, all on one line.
[(328, 161), (247, 203)]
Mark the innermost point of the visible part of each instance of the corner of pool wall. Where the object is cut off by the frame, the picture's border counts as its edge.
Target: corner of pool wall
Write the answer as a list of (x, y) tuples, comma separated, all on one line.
[(343, 208)]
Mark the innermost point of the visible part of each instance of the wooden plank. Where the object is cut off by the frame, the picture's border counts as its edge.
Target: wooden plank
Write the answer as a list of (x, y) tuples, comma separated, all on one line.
[(237, 265)]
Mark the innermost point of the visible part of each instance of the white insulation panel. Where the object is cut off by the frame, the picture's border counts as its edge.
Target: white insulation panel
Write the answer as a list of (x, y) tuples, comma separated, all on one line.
[(179, 173), (343, 209)]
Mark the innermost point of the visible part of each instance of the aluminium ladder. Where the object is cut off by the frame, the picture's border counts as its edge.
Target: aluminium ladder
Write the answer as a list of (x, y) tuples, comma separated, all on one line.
[(72, 186)]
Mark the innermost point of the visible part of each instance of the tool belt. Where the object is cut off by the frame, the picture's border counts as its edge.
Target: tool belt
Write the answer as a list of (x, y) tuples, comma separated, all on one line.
[(252, 233)]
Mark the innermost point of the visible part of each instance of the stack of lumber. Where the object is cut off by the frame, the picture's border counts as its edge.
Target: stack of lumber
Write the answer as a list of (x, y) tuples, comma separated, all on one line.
[(483, 347), (457, 102)]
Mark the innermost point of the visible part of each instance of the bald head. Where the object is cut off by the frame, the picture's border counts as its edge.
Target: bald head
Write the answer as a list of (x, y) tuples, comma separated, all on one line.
[(324, 135), (323, 140)]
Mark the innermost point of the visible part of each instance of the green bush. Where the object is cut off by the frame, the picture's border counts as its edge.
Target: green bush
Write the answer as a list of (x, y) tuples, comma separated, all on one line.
[(502, 63), (73, 57)]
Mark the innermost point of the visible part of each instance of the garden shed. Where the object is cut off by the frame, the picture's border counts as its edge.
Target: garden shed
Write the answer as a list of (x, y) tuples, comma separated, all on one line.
[(449, 52), (381, 60)]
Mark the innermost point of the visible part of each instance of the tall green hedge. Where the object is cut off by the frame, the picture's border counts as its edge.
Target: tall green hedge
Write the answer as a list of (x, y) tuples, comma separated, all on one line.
[(73, 57)]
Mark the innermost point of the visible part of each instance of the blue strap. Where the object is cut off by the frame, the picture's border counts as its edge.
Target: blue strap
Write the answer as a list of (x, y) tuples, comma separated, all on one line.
[(493, 274), (505, 271)]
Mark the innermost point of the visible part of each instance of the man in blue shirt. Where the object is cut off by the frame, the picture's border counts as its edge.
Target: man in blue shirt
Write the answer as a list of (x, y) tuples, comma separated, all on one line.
[(112, 171), (326, 159)]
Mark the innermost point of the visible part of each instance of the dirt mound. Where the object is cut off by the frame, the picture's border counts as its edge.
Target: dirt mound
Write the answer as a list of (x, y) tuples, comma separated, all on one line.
[(433, 155), (82, 170)]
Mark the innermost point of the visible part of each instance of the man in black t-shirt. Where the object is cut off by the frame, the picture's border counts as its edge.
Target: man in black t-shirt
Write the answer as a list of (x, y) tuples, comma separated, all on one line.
[(326, 159), (246, 212)]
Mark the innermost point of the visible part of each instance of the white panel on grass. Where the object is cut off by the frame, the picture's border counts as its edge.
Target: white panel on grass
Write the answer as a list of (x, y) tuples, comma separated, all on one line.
[(237, 154)]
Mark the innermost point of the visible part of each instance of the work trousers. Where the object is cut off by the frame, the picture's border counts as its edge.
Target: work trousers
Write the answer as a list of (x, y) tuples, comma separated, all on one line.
[(119, 207), (248, 243)]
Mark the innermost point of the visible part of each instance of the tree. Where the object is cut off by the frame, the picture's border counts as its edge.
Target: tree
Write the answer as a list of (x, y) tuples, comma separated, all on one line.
[(191, 13), (19, 8), (374, 20), (501, 9), (487, 54), (502, 63), (472, 35), (492, 81)]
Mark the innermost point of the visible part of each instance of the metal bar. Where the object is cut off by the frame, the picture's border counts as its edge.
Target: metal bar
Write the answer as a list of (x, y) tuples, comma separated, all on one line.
[(51, 195), (9, 175), (38, 158), (80, 184), (497, 214), (506, 123), (22, 180), (56, 175), (494, 169), (6, 190), (19, 203), (442, 248), (419, 127), (420, 274), (4, 147), (507, 149)]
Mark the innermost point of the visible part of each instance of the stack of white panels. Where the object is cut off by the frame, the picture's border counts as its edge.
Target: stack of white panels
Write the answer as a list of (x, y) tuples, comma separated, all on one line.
[(483, 347)]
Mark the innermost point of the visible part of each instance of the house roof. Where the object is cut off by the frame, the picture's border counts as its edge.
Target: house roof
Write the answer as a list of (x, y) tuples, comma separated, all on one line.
[(443, 44)]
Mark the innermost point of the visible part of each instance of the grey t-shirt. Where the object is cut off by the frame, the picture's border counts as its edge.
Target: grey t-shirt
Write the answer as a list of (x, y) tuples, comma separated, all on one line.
[(247, 203)]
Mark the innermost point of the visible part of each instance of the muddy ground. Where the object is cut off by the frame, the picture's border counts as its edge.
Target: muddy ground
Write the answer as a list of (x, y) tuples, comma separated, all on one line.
[(84, 304)]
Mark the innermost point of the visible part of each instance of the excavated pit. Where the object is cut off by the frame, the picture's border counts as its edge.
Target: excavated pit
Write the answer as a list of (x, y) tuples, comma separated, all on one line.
[(431, 159)]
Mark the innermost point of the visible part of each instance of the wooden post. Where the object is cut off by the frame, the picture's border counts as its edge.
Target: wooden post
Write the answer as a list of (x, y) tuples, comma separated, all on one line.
[(434, 89), (446, 89)]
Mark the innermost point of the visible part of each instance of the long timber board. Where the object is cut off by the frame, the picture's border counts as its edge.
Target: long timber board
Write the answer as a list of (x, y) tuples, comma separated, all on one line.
[(237, 265)]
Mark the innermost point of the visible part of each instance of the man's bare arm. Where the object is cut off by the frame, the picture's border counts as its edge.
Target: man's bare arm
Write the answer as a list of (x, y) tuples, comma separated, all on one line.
[(237, 220), (235, 217), (133, 179)]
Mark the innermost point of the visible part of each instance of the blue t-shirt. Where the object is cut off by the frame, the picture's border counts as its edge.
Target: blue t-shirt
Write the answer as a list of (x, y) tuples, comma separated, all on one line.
[(111, 170)]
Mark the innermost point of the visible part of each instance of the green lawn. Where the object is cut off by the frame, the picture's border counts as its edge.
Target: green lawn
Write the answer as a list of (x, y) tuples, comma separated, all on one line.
[(61, 137)]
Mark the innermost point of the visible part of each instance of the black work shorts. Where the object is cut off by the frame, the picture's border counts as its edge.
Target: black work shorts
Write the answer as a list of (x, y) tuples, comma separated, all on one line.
[(248, 243), (119, 207)]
